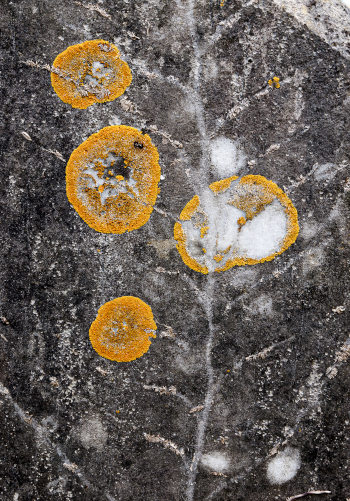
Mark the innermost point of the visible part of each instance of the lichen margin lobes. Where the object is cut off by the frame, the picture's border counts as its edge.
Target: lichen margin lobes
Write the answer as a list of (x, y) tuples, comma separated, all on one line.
[(93, 144), (180, 237), (222, 185), (66, 90), (190, 208), (292, 225), (290, 210), (105, 313)]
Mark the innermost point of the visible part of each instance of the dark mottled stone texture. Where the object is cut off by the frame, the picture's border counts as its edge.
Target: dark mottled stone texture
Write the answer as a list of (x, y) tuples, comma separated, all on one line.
[(253, 344)]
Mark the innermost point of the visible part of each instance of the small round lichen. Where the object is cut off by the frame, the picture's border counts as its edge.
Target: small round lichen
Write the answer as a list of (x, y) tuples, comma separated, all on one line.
[(275, 81), (112, 179), (249, 197), (122, 329), (90, 72)]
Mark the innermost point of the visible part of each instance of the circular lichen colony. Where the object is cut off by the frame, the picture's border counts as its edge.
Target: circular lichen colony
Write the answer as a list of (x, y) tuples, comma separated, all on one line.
[(122, 329), (90, 72), (112, 179), (237, 222)]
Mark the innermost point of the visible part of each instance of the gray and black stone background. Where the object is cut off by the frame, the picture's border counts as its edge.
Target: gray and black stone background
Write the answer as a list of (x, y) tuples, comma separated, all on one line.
[(262, 348)]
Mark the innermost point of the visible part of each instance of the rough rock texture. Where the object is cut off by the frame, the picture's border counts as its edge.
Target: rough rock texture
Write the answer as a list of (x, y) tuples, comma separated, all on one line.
[(261, 351)]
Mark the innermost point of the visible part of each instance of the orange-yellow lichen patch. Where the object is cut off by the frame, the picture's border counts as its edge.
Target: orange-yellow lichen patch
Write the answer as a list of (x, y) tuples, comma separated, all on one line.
[(204, 230), (223, 185), (241, 221), (122, 202), (122, 329), (90, 72), (190, 208), (252, 194), (261, 224), (274, 82), (218, 257), (181, 246)]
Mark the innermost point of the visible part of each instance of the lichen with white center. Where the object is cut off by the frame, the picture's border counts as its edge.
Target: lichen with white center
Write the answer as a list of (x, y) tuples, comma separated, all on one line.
[(236, 222)]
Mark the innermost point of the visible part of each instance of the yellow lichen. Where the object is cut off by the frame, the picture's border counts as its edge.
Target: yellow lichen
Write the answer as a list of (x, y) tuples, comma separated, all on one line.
[(218, 257), (251, 195), (90, 72), (241, 222), (274, 82), (122, 329), (190, 208), (116, 205), (223, 185), (180, 236), (261, 198), (204, 230)]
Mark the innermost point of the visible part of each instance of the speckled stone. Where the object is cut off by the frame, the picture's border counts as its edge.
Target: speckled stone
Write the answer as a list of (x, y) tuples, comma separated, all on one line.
[(243, 395)]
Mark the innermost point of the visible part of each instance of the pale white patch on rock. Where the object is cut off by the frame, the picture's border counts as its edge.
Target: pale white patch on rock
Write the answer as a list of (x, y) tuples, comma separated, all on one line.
[(226, 158), (210, 69), (154, 286), (189, 363), (310, 393), (313, 258), (308, 230), (163, 247), (262, 306), (114, 120), (284, 466), (216, 461), (299, 104), (244, 275), (92, 433), (325, 171), (50, 423)]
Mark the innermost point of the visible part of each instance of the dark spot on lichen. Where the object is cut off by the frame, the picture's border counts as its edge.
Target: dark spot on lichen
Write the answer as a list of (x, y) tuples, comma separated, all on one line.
[(118, 168), (138, 145)]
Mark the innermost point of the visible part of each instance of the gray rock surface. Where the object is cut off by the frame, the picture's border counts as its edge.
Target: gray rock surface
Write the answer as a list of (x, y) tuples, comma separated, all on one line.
[(262, 351)]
